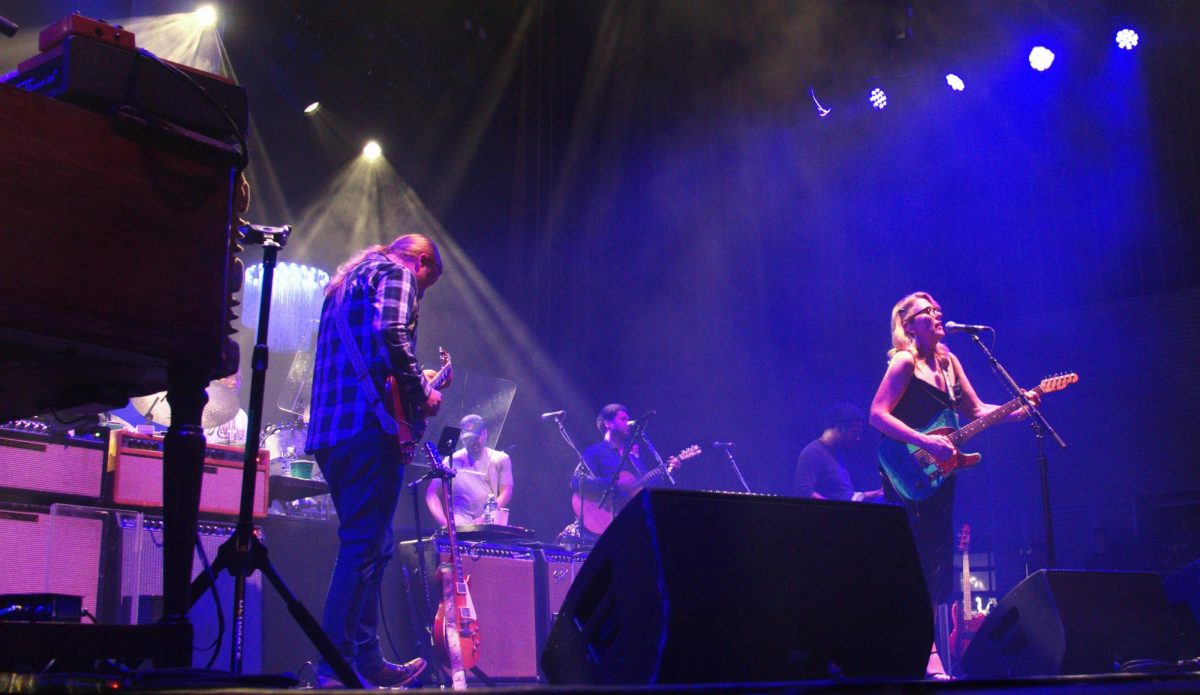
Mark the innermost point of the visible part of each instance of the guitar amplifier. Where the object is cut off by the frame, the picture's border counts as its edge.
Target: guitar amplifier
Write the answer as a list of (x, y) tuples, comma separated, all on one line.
[(138, 579), (60, 466), (42, 551), (136, 466), (506, 590)]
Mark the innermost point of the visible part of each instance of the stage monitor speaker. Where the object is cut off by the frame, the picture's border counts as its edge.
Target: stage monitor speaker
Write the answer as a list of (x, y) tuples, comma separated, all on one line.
[(710, 587), (1073, 622)]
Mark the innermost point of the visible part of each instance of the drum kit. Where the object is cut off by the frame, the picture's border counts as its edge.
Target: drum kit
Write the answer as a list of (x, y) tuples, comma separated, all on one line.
[(297, 479)]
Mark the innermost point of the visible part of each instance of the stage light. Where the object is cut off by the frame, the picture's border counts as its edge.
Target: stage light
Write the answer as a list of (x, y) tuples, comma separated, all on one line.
[(1041, 58), (313, 107), (878, 98), (1127, 39), (206, 16), (372, 151), (296, 301), (955, 82)]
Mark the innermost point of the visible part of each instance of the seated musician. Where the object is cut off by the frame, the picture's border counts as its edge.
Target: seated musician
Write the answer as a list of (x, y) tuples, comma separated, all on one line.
[(482, 471)]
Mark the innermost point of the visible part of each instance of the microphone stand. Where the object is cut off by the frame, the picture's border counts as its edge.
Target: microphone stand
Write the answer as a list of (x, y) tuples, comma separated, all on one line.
[(581, 467), (1040, 428), (729, 453), (626, 450), (244, 552), (654, 453)]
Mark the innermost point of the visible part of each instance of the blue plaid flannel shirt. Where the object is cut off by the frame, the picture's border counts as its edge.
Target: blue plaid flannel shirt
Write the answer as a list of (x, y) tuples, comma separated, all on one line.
[(381, 315)]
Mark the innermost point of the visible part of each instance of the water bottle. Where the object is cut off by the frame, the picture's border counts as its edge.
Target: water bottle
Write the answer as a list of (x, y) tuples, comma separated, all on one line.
[(489, 510)]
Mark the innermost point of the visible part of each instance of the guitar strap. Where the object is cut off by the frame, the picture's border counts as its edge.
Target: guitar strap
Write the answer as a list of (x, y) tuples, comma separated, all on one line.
[(949, 391), (386, 420)]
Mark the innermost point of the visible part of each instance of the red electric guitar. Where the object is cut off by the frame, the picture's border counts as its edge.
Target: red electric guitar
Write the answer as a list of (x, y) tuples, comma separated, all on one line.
[(455, 627), (411, 417), (966, 619)]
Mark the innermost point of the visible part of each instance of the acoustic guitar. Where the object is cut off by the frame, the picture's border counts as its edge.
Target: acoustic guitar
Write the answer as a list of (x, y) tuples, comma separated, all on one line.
[(914, 472), (410, 416), (597, 509)]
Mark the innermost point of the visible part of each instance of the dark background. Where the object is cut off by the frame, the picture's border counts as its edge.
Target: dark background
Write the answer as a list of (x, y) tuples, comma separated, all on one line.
[(638, 203)]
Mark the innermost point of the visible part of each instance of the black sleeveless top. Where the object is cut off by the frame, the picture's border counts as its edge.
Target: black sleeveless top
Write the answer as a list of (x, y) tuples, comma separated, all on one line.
[(922, 401)]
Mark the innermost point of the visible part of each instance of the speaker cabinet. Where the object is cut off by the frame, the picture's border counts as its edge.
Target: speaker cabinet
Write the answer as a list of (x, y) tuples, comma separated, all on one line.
[(141, 591), (707, 587), (1069, 622), (42, 551)]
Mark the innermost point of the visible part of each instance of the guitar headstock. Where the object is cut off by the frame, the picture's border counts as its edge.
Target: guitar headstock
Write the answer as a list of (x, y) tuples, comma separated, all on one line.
[(690, 452), (964, 538), (1057, 382), (435, 459), (443, 355)]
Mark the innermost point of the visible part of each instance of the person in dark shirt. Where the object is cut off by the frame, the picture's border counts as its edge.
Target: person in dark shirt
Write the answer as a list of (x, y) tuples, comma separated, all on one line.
[(923, 379), (368, 331), (821, 469)]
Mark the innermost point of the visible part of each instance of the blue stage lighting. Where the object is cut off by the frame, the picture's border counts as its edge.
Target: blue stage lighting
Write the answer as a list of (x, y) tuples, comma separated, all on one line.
[(1127, 39), (1041, 58), (878, 98), (955, 82)]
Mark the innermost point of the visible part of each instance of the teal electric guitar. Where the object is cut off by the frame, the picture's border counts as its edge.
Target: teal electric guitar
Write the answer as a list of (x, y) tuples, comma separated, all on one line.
[(914, 472)]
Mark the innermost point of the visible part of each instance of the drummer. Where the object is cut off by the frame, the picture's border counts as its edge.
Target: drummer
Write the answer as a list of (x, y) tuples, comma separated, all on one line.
[(482, 472), (233, 432)]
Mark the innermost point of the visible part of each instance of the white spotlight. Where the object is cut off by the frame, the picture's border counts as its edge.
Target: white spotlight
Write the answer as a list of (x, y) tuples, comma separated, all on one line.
[(1127, 39), (878, 98), (313, 107), (1041, 58), (372, 151), (955, 82), (206, 16)]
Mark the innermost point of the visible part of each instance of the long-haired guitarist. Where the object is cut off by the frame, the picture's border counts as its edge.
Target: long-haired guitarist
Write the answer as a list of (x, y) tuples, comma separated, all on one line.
[(924, 380), (368, 331)]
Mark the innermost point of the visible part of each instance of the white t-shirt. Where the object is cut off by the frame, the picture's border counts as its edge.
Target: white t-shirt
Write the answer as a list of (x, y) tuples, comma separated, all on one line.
[(476, 480)]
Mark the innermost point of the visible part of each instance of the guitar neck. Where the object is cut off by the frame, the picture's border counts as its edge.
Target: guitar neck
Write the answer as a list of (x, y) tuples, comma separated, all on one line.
[(440, 378), (976, 426), (656, 472), (966, 584)]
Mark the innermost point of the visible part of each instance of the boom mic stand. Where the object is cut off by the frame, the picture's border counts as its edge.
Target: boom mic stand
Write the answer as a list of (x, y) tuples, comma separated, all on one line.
[(244, 552), (1040, 428), (582, 469)]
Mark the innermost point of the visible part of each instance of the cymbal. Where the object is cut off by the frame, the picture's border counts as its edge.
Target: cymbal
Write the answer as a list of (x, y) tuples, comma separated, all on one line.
[(222, 406)]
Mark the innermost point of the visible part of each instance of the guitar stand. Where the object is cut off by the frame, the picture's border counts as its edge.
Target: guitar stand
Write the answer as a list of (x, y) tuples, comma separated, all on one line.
[(244, 553)]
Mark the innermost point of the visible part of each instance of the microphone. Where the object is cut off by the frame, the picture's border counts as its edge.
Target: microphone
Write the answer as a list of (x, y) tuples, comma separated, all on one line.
[(952, 327), (553, 415), (642, 420), (723, 445)]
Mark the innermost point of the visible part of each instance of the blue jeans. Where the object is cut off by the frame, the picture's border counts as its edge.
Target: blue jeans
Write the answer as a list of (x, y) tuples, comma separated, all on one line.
[(365, 480)]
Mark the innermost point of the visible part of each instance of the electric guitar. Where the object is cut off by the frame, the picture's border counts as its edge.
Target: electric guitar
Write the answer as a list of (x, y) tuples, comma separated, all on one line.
[(914, 472), (410, 417), (596, 516), (455, 627), (966, 619)]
